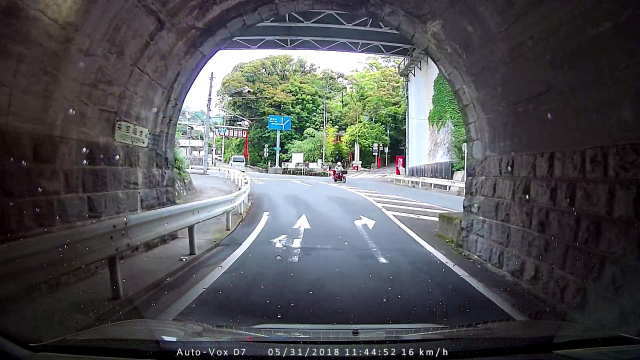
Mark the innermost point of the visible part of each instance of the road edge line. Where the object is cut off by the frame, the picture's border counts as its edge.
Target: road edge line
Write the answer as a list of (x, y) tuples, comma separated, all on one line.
[(484, 290), (179, 305)]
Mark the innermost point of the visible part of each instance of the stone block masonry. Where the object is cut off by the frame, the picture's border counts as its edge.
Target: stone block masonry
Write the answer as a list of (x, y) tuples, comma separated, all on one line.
[(560, 223), (50, 182)]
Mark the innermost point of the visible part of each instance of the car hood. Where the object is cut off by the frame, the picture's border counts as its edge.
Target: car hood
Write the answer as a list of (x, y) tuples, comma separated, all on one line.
[(161, 330)]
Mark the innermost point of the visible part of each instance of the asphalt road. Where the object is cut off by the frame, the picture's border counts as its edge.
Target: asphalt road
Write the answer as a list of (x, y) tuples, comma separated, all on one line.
[(352, 264)]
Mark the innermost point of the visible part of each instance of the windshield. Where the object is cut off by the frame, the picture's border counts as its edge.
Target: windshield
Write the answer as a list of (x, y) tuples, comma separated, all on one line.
[(350, 173)]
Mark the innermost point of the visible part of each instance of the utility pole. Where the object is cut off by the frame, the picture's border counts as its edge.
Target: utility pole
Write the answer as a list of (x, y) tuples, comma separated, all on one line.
[(386, 150), (205, 144), (324, 119), (224, 134)]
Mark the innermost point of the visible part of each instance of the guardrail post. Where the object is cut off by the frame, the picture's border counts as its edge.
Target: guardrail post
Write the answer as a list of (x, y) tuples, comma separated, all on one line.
[(115, 278), (227, 217), (193, 249)]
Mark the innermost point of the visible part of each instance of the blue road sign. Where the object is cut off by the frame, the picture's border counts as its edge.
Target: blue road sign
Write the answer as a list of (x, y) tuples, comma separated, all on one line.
[(279, 122)]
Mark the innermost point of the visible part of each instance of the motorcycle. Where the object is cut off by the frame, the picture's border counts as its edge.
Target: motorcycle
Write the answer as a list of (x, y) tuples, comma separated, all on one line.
[(339, 175)]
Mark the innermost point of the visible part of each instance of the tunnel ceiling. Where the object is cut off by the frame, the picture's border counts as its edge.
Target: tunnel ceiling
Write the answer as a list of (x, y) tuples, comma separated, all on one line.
[(323, 30)]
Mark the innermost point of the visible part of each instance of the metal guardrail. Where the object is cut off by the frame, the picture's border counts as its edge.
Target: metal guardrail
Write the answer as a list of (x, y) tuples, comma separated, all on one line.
[(419, 181), (58, 253)]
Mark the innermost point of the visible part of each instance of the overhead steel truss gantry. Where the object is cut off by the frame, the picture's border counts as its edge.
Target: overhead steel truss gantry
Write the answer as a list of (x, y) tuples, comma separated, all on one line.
[(323, 30)]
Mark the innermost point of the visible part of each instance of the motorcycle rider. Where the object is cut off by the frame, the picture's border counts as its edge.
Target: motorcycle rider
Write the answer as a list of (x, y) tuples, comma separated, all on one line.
[(339, 167)]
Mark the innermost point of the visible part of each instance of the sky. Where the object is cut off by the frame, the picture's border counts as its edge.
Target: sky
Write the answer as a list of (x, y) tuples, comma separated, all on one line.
[(223, 62)]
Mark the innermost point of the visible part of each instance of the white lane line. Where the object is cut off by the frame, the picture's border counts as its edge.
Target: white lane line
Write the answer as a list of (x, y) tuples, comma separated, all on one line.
[(376, 198), (497, 299), (414, 208), (413, 216), (388, 196), (301, 183), (360, 224), (186, 299), (372, 246)]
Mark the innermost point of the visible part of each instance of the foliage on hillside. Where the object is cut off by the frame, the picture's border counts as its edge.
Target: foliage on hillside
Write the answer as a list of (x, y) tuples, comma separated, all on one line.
[(283, 85), (447, 110)]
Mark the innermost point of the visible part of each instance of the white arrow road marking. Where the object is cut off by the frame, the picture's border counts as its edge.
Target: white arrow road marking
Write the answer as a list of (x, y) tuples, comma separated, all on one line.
[(366, 221), (186, 299), (301, 225), (360, 223), (280, 241), (483, 289)]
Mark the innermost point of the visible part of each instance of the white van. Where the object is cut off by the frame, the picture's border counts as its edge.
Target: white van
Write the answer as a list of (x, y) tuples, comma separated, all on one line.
[(237, 162)]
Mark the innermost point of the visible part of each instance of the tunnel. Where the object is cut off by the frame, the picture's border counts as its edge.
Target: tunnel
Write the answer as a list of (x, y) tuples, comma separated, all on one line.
[(549, 90)]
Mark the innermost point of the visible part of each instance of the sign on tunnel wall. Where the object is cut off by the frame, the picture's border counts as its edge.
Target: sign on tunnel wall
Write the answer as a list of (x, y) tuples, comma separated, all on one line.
[(131, 134)]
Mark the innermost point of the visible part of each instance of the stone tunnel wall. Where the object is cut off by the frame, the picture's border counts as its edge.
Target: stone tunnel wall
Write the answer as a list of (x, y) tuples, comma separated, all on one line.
[(544, 84), (562, 223)]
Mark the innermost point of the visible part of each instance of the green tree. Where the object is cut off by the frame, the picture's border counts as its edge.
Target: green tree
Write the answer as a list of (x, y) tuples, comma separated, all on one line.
[(447, 110), (366, 133), (278, 85), (375, 94), (311, 145)]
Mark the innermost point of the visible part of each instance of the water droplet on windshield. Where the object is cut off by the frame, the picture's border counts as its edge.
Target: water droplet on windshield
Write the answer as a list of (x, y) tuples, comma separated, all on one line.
[(346, 243), (268, 301), (84, 162), (71, 111), (390, 277), (384, 300), (39, 189), (279, 316), (219, 291), (278, 257), (23, 163), (116, 157), (310, 291), (84, 150), (292, 304), (291, 274)]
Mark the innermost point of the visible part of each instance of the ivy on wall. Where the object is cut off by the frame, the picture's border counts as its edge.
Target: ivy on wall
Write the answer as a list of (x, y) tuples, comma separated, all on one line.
[(447, 110)]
